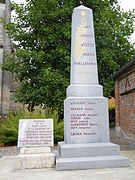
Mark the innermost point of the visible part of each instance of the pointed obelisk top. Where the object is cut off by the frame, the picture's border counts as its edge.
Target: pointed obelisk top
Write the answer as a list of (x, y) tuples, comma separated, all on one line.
[(81, 7)]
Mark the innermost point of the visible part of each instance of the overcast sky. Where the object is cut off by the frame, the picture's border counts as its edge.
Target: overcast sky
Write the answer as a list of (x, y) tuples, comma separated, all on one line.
[(128, 5), (125, 4)]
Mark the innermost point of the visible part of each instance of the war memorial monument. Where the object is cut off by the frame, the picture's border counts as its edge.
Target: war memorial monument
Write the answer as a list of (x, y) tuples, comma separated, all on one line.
[(86, 123)]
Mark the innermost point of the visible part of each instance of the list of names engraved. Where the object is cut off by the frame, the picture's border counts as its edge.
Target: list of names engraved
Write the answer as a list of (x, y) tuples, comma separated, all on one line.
[(35, 132), (83, 119)]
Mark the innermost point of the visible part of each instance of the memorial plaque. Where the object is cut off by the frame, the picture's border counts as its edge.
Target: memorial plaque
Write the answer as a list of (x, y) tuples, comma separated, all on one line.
[(35, 132)]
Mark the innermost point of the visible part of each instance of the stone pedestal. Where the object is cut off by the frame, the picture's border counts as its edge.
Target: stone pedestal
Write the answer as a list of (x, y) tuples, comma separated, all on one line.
[(35, 158), (86, 136), (86, 121), (90, 156)]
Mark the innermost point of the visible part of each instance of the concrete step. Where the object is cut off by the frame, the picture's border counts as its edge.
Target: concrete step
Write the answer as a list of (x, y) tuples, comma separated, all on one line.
[(88, 150), (91, 162)]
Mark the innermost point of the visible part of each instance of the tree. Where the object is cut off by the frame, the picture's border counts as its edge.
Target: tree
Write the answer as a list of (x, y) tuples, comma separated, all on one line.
[(41, 61)]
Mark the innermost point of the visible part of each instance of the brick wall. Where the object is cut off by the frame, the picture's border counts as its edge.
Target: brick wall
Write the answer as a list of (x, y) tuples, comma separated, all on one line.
[(117, 108), (125, 102), (127, 114)]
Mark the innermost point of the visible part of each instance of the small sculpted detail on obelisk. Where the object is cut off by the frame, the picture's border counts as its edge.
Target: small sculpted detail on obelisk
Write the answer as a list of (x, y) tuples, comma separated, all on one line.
[(80, 37)]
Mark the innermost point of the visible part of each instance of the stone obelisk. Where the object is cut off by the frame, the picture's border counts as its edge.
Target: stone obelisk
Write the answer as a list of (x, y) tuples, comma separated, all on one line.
[(86, 123)]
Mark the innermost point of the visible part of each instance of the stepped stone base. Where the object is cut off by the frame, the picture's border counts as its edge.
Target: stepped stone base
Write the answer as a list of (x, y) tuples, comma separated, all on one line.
[(91, 162), (89, 156), (35, 158)]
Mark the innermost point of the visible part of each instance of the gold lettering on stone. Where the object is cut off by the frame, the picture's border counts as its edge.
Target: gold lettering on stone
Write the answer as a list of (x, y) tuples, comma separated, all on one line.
[(79, 50)]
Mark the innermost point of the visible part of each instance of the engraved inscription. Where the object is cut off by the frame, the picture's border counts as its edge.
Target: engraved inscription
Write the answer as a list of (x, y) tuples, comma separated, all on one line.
[(79, 50), (83, 118), (34, 132), (127, 83)]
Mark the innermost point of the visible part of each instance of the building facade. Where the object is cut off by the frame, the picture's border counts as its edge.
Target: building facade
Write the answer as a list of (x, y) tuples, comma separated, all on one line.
[(125, 100)]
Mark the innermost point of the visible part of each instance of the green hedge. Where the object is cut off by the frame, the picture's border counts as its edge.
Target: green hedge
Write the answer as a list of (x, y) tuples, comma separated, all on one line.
[(112, 116), (9, 126)]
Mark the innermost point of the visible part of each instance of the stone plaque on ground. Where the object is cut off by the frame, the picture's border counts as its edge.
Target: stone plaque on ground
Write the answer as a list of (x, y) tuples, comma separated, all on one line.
[(86, 121), (35, 132)]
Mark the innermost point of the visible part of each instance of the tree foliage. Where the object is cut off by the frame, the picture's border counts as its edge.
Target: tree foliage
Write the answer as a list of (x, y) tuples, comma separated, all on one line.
[(41, 61)]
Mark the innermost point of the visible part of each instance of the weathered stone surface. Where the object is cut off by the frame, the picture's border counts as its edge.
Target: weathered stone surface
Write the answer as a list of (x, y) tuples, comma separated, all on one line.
[(36, 150), (35, 158), (2, 8), (1, 60), (1, 36), (35, 161), (5, 12)]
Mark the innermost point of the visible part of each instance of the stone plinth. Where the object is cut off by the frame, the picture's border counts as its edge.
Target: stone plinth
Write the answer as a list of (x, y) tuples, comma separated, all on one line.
[(35, 158), (88, 150), (91, 162), (89, 156)]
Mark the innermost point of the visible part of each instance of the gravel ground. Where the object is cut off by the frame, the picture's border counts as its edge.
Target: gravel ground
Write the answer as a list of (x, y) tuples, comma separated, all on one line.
[(9, 151), (125, 144)]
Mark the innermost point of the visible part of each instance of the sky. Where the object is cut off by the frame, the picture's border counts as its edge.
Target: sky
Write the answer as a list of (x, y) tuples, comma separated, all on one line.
[(125, 4), (128, 5)]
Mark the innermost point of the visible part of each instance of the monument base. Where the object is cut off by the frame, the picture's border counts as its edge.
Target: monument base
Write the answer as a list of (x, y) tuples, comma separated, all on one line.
[(89, 156), (86, 120), (35, 158)]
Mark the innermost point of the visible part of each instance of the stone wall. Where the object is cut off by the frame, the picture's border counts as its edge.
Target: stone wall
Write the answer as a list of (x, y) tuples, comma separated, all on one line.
[(2, 37), (125, 101), (7, 83)]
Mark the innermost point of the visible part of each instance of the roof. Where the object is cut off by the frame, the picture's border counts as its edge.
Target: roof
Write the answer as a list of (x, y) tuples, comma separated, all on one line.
[(125, 67)]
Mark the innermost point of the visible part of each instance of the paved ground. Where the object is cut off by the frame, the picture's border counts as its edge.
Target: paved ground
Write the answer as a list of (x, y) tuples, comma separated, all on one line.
[(8, 151), (8, 172)]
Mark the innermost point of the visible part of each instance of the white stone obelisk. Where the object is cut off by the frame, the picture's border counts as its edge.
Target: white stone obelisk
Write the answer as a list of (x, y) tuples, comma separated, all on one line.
[(84, 75), (85, 104), (83, 50), (86, 123)]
